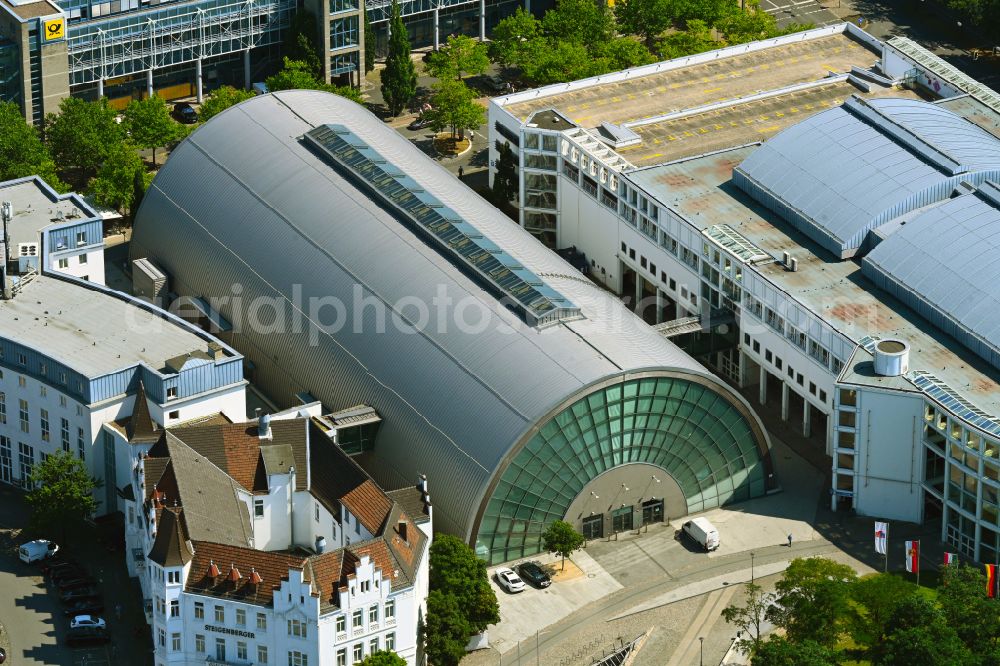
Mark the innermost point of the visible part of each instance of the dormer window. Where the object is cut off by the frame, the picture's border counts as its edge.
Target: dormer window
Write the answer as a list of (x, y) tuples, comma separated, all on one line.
[(365, 586)]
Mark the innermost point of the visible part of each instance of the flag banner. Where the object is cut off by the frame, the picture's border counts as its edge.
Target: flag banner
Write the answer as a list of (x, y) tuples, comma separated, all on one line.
[(913, 556), (881, 537), (949, 558), (991, 580)]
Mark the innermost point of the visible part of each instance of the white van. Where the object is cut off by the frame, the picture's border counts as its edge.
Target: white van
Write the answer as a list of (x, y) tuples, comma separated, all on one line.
[(33, 551), (703, 532)]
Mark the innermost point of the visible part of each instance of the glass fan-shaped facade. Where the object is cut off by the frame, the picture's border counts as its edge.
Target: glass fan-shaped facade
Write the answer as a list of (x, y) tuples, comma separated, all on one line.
[(694, 432)]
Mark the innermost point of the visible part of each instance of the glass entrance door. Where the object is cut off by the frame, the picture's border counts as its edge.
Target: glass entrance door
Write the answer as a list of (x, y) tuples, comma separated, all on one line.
[(593, 527), (652, 512), (621, 519)]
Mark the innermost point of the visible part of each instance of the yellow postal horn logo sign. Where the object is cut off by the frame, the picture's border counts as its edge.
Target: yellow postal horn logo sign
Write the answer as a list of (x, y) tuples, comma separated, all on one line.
[(55, 29)]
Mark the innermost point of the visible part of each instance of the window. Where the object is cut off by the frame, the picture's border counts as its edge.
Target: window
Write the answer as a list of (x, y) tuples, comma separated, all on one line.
[(624, 248), (642, 261), (373, 615), (27, 460), (812, 388), (652, 268), (176, 414), (777, 362), (220, 649), (22, 414), (768, 356), (175, 608), (356, 619), (342, 657), (199, 643), (262, 621), (241, 650), (365, 586), (175, 642), (199, 610), (297, 628), (822, 395), (83, 258), (62, 401), (162, 638), (22, 360), (373, 645), (799, 379), (296, 658), (64, 263), (316, 513), (3, 408), (220, 614), (44, 418), (390, 609), (261, 654), (161, 606), (174, 577), (241, 617), (631, 254), (390, 641), (359, 652), (64, 433), (21, 381), (341, 624), (791, 372), (756, 347), (171, 392), (81, 238)]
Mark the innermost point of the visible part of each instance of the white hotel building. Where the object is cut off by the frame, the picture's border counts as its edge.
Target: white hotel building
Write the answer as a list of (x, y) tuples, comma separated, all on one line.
[(824, 244)]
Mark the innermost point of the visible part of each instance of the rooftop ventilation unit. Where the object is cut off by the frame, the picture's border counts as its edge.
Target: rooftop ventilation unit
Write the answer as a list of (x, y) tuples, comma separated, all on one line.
[(892, 358)]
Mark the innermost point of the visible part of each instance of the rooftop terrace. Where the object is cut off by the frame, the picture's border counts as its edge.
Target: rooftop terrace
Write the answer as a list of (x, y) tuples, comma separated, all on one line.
[(700, 189)]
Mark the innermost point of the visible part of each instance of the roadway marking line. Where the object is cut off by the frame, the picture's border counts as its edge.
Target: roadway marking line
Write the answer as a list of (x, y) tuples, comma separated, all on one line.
[(711, 90), (655, 155), (772, 128)]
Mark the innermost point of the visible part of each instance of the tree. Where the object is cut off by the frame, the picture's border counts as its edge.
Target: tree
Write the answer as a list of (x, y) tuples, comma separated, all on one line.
[(295, 75), (149, 123), (780, 651), (505, 183), (560, 538), (140, 183), (383, 658), (750, 616), (447, 631), (812, 599), (300, 43), (582, 22), (456, 571), (221, 99), (62, 492), (22, 152), (80, 136), (645, 18), (697, 38), (917, 633), (618, 54), (369, 44), (510, 36), (115, 183), (399, 78), (967, 609), (462, 56), (875, 596), (454, 105), (554, 62)]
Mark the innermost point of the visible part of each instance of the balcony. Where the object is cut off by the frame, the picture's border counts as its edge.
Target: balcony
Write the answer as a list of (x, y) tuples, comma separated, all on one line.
[(360, 631), (390, 622)]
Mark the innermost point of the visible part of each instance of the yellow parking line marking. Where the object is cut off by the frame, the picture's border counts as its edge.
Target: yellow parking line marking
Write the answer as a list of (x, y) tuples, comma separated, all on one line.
[(748, 121), (671, 137), (809, 106), (688, 133), (674, 85), (616, 99), (630, 96), (655, 155), (717, 126), (779, 114), (763, 118), (702, 130), (657, 141), (794, 110), (711, 90), (733, 123), (772, 128)]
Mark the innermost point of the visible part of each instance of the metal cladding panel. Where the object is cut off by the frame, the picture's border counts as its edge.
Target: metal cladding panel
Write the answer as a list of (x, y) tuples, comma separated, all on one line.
[(845, 171), (942, 263), (64, 237), (245, 208)]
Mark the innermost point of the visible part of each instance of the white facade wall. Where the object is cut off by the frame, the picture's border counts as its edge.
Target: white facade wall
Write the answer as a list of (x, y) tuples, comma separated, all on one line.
[(230, 401), (87, 265)]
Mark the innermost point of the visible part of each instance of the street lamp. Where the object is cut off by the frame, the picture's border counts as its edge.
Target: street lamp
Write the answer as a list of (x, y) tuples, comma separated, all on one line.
[(701, 654)]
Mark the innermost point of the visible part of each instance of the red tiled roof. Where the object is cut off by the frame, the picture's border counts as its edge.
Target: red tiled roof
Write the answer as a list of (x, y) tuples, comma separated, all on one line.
[(272, 568), (369, 504), (328, 571)]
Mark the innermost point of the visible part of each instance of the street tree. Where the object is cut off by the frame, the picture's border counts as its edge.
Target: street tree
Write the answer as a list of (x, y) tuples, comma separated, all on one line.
[(695, 38), (300, 42), (582, 22), (505, 183), (399, 78), (917, 633), (114, 185), (296, 75), (875, 597), (556, 61), (560, 538), (140, 183), (61, 493), (620, 53), (383, 658), (447, 631), (462, 56), (369, 44), (149, 124), (813, 599), (221, 99), (80, 136), (967, 609), (646, 18), (511, 35), (749, 617), (22, 152), (456, 571), (780, 651), (454, 106)]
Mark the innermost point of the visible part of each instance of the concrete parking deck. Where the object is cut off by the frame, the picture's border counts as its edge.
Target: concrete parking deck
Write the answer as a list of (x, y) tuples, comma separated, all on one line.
[(697, 85)]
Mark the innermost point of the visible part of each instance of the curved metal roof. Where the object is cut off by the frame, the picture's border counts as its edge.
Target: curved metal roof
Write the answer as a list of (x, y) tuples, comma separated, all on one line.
[(245, 201), (942, 263), (845, 171)]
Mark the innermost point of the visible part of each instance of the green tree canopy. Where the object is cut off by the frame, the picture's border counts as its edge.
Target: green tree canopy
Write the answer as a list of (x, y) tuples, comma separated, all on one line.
[(749, 617), (399, 78), (456, 571), (916, 633), (779, 651), (383, 658), (646, 18), (620, 53), (965, 606), (61, 493), (579, 22), (560, 538), (875, 597), (221, 99), (369, 43), (696, 38), (462, 56), (114, 185), (300, 43), (447, 630), (295, 75), (511, 35), (454, 105), (813, 600), (554, 62), (149, 123), (22, 152), (80, 136)]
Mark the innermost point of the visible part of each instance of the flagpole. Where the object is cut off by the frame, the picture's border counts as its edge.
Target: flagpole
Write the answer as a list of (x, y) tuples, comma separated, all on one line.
[(917, 563), (886, 553)]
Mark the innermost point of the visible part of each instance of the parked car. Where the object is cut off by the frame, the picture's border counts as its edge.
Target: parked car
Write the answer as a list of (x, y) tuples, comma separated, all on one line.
[(74, 582), (509, 580), (87, 636), (534, 574), (37, 550), (419, 123), (83, 607), (496, 84), (87, 621), (89, 592), (62, 570), (185, 113), (703, 533)]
